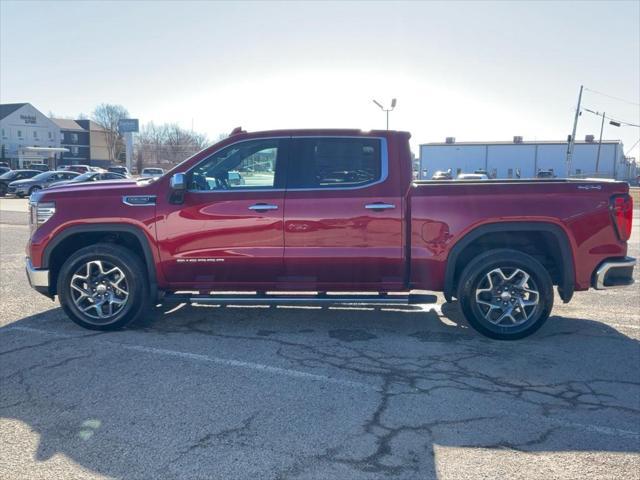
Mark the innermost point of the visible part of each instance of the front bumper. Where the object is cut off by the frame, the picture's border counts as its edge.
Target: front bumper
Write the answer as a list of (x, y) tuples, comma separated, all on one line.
[(614, 273), (17, 190), (38, 278)]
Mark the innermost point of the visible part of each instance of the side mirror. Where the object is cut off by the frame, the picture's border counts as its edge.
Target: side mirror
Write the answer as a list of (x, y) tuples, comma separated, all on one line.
[(178, 187), (178, 182)]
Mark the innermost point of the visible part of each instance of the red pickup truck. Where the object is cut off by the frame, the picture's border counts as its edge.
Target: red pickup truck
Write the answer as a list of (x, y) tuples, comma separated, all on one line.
[(270, 215)]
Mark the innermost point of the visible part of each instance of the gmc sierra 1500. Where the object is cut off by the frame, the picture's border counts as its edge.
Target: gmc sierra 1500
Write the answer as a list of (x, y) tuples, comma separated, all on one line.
[(326, 211)]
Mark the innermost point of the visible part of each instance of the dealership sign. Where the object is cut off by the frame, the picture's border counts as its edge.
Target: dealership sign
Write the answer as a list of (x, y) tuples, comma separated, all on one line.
[(28, 118), (127, 125)]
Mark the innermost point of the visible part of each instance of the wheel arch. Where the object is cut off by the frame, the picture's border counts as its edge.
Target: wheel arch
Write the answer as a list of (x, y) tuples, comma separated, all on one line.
[(89, 234), (564, 256)]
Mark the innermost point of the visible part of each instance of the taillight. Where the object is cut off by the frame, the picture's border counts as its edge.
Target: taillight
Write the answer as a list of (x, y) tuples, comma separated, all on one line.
[(622, 212)]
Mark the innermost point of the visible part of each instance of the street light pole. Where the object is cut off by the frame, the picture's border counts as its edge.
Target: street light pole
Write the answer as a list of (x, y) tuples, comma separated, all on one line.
[(573, 134), (386, 110), (615, 123), (600, 143)]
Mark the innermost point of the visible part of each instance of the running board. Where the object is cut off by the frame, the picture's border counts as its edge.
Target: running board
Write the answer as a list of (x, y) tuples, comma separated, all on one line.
[(320, 299)]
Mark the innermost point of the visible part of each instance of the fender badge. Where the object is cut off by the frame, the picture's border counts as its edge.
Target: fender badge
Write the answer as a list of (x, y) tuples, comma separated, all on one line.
[(199, 260), (590, 187)]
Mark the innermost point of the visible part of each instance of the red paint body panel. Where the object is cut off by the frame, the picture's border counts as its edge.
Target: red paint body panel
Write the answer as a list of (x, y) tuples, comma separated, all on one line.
[(326, 239), (443, 214), (214, 240)]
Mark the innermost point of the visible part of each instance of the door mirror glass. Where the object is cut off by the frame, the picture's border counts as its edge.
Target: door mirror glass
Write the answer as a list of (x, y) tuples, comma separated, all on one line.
[(178, 182)]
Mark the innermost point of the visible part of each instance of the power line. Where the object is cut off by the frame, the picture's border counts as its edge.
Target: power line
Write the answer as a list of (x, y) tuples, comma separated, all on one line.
[(611, 96), (632, 147), (622, 122)]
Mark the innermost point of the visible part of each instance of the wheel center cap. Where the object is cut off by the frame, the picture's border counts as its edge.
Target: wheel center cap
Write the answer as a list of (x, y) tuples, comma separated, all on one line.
[(101, 289), (505, 296)]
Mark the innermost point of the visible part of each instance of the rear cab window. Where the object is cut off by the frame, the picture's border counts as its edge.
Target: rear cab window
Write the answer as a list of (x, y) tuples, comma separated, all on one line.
[(334, 162)]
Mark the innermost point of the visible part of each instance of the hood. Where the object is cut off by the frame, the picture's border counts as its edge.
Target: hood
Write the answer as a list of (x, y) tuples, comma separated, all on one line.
[(104, 187), (61, 182), (24, 181)]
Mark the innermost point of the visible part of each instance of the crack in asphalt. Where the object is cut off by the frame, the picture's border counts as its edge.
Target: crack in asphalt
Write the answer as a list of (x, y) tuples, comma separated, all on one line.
[(395, 376)]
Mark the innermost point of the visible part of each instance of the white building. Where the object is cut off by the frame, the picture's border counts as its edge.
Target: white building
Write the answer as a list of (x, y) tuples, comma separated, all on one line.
[(520, 159), (23, 127)]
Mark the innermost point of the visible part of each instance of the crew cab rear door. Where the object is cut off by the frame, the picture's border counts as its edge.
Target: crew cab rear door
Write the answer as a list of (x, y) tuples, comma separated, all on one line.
[(228, 232), (343, 216)]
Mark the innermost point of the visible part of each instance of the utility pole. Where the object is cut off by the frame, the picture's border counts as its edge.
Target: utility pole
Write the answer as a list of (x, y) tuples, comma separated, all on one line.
[(600, 143), (572, 140)]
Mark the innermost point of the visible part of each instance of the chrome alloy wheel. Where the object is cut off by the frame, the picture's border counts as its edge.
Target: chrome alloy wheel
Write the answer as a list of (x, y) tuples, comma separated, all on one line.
[(507, 297), (99, 290)]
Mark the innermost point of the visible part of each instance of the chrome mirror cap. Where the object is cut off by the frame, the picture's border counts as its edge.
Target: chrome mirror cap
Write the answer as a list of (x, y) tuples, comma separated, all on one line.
[(178, 181)]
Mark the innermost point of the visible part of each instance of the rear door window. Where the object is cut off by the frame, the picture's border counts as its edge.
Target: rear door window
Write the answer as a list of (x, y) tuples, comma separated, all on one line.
[(323, 162)]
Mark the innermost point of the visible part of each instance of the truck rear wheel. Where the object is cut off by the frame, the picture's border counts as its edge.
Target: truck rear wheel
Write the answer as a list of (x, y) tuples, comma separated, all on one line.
[(505, 294), (103, 287)]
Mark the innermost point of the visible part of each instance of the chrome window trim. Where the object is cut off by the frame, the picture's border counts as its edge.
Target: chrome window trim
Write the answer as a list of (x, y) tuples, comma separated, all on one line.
[(384, 167)]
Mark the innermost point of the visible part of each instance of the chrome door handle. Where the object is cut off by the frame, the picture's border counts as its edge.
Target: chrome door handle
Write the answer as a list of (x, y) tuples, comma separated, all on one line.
[(379, 206), (263, 206)]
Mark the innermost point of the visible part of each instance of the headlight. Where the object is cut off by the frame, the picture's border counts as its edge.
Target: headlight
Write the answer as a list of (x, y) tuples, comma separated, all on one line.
[(40, 213)]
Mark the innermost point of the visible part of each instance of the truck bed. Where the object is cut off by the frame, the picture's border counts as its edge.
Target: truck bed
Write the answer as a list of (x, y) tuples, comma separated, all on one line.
[(444, 211)]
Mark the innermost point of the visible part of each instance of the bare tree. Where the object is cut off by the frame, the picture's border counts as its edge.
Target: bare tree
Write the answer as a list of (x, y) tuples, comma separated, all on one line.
[(168, 143), (107, 116)]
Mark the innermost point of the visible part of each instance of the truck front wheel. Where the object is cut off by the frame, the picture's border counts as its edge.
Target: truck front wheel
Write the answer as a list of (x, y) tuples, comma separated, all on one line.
[(505, 294), (103, 287)]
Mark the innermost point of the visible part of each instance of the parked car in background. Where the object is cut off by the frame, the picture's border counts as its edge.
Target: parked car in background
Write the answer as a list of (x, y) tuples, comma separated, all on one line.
[(119, 169), (151, 172), (236, 179), (76, 168), (13, 175), (20, 188), (472, 176), (42, 167), (90, 177), (545, 174), (442, 175), (5, 165)]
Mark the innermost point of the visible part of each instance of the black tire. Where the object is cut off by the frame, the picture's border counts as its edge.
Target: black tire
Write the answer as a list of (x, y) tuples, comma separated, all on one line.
[(138, 301), (34, 189), (485, 301)]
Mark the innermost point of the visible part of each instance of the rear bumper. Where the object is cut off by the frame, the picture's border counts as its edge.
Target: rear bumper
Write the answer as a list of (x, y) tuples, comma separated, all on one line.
[(38, 278), (614, 273)]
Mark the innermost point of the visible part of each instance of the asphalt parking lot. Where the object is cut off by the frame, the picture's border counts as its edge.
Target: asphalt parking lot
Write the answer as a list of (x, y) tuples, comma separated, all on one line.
[(288, 393)]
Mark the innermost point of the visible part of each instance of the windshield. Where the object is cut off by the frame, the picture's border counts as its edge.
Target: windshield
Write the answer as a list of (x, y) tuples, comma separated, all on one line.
[(8, 175), (84, 177), (41, 176)]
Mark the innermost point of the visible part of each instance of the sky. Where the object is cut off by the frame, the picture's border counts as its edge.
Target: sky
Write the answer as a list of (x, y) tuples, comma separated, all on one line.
[(477, 71)]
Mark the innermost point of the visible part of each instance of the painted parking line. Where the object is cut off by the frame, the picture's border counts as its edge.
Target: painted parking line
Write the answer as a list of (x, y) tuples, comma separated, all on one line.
[(596, 429), (215, 360)]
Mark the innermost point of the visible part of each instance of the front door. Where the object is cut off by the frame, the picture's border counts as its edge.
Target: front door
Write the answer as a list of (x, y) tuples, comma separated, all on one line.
[(228, 232), (343, 216)]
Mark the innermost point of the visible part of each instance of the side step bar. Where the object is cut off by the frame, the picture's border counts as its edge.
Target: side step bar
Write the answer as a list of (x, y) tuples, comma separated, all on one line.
[(320, 299)]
